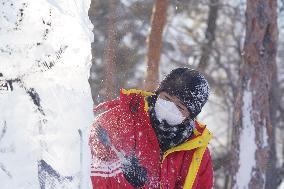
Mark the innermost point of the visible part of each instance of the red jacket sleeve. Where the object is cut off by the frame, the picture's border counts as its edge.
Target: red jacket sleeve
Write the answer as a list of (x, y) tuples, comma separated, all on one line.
[(205, 176)]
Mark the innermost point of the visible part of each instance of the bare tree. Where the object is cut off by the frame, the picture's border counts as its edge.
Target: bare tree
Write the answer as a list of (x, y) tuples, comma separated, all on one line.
[(159, 17), (209, 34), (110, 52), (252, 121)]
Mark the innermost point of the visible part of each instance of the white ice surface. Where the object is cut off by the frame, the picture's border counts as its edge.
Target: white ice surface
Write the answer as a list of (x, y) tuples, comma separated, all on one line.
[(63, 90)]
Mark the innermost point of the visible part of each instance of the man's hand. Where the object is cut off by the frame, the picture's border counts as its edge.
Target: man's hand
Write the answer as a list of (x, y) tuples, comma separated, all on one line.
[(135, 174)]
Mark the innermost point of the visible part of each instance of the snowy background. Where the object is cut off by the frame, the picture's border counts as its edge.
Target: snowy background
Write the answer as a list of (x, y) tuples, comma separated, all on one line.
[(45, 52)]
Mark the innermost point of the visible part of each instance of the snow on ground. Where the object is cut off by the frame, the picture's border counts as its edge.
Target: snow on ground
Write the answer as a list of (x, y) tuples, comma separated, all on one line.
[(45, 97)]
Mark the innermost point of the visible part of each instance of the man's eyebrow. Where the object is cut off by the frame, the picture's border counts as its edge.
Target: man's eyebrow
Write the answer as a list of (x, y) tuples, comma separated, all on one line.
[(180, 103), (168, 96)]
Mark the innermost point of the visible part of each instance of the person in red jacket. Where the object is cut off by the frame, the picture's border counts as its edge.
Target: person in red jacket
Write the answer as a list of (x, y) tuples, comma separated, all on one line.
[(153, 140)]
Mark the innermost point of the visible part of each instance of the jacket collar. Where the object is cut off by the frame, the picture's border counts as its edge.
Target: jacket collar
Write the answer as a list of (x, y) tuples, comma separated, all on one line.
[(201, 139)]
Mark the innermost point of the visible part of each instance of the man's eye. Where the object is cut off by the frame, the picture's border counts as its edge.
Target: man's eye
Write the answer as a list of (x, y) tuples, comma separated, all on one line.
[(179, 107), (167, 98)]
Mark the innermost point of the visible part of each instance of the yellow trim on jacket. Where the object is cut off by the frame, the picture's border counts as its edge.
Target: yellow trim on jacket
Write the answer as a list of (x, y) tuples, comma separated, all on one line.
[(197, 142), (200, 144), (141, 92)]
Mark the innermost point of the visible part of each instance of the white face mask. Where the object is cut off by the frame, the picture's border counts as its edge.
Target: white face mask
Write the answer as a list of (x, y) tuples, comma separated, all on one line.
[(166, 110)]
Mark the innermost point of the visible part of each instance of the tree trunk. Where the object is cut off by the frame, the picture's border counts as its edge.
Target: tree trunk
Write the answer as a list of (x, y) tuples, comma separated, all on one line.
[(253, 131), (158, 21), (209, 35), (110, 52), (271, 174)]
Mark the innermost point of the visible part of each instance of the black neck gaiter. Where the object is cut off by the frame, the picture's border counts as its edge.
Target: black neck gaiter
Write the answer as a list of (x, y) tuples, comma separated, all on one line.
[(168, 135)]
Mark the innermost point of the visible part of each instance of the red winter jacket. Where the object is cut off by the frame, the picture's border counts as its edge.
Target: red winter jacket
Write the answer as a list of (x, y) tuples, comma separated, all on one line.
[(128, 131)]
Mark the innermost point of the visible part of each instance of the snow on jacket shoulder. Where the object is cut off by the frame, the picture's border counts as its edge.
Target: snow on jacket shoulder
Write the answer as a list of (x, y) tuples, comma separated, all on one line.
[(126, 153)]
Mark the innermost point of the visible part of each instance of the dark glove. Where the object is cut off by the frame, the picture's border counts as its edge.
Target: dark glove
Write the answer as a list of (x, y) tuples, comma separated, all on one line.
[(135, 174)]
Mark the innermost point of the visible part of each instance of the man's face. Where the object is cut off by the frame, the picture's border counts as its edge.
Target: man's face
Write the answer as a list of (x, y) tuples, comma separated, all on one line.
[(182, 108)]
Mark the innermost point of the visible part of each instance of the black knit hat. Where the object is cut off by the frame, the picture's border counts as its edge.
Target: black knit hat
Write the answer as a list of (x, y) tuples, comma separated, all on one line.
[(189, 86)]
